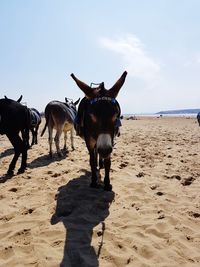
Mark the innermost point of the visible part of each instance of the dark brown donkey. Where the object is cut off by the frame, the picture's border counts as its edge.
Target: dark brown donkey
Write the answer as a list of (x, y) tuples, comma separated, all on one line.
[(98, 121), (15, 118)]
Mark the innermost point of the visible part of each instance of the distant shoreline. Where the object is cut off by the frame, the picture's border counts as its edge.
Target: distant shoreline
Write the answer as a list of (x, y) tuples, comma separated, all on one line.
[(160, 115)]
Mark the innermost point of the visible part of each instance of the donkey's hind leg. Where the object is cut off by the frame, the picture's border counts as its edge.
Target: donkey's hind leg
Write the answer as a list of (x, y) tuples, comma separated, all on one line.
[(57, 142), (33, 136), (72, 138), (65, 142), (24, 159), (36, 134)]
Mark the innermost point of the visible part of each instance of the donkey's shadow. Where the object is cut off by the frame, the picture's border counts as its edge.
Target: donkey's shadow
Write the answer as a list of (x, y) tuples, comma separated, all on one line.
[(45, 160), (81, 208), (7, 152)]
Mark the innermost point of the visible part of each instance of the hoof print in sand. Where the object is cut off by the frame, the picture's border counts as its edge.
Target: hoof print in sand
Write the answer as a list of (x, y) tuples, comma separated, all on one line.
[(140, 174), (194, 214), (160, 193), (123, 165), (187, 181)]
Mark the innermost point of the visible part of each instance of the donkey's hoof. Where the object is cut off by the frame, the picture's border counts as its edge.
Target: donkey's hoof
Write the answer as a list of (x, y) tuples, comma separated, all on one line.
[(10, 173), (108, 187), (21, 170)]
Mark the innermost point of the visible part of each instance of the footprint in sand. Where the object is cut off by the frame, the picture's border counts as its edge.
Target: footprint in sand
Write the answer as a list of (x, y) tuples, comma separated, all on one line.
[(123, 165), (160, 193), (194, 214), (13, 190), (187, 181), (140, 174), (56, 175), (7, 253), (153, 187), (177, 177), (27, 211)]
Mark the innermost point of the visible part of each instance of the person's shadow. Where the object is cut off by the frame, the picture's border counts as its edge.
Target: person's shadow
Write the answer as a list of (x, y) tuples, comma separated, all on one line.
[(81, 208)]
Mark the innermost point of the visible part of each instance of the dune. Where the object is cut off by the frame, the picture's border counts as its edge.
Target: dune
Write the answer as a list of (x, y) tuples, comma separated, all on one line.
[(50, 217)]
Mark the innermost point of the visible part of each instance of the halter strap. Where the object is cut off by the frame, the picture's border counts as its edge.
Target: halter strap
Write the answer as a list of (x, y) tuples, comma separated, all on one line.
[(107, 98)]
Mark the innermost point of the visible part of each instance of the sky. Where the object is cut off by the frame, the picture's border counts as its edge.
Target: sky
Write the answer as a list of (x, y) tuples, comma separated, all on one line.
[(156, 41)]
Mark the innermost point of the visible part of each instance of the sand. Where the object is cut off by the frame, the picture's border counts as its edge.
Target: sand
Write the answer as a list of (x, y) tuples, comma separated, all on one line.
[(49, 216)]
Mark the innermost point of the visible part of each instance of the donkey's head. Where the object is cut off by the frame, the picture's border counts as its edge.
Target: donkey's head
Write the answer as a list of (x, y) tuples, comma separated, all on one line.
[(103, 113), (70, 103)]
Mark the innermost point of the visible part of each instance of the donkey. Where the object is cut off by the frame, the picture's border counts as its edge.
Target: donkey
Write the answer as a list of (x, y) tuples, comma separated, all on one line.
[(99, 121), (198, 118), (35, 120), (34, 124), (60, 116), (15, 118)]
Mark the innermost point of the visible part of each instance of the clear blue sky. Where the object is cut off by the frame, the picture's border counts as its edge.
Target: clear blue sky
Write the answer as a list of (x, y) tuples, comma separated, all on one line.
[(157, 41)]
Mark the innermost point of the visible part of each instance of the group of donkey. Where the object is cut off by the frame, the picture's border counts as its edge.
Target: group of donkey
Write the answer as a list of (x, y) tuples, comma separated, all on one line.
[(97, 121)]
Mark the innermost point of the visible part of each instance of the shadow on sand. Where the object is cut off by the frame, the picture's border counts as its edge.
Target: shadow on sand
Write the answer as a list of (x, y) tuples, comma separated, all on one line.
[(45, 160), (7, 152), (81, 208)]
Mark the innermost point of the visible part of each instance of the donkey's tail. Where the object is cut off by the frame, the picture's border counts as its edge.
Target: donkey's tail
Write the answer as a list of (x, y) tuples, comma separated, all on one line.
[(45, 126)]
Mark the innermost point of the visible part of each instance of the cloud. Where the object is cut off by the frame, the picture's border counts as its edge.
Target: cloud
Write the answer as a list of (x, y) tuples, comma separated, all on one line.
[(132, 51)]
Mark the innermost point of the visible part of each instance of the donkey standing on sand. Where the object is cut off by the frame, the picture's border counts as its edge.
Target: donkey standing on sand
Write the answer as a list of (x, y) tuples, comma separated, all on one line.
[(35, 120), (60, 116), (98, 122), (34, 124), (15, 118)]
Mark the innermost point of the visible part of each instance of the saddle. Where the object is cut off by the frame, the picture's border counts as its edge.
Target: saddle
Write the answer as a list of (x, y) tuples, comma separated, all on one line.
[(34, 117)]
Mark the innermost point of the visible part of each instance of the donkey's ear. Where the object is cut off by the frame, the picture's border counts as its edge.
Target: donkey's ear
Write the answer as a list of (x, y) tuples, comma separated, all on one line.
[(89, 92), (19, 100), (113, 92), (5, 97), (77, 101), (66, 100)]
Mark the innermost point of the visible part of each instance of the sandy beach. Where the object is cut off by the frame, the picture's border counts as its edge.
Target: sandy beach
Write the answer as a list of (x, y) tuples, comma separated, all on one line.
[(49, 216)]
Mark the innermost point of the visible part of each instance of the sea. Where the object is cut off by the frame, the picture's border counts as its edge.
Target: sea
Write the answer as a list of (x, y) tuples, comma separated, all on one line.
[(186, 115)]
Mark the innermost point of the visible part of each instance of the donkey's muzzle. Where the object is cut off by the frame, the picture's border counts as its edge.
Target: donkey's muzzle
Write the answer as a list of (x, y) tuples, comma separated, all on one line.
[(104, 145), (104, 152)]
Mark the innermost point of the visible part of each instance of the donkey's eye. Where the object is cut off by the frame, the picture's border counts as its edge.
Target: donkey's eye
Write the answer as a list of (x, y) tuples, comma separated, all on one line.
[(93, 117)]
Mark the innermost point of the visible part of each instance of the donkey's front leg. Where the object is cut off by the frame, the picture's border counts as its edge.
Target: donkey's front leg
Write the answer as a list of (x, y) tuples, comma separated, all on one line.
[(24, 159), (17, 144), (93, 164), (36, 134), (107, 185)]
